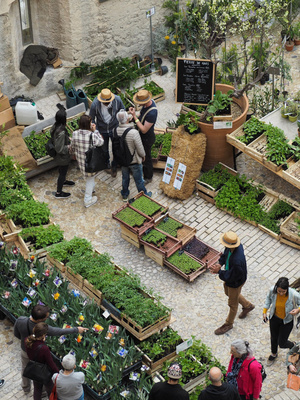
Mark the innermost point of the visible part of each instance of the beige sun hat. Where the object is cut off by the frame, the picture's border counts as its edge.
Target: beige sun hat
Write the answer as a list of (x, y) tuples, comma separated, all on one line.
[(105, 96), (142, 97), (230, 239)]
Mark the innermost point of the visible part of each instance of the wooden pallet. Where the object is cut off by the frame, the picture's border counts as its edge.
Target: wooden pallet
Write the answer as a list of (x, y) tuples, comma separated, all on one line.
[(292, 174)]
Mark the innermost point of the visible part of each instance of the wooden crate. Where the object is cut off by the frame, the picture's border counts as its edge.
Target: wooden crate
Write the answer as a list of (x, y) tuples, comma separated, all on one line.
[(289, 229), (74, 278), (257, 148), (233, 138), (156, 215), (209, 259), (199, 380), (167, 249), (189, 277), (16, 241), (292, 174), (269, 199), (185, 109), (269, 232), (55, 263), (155, 255), (289, 243), (134, 229), (7, 227), (44, 160), (185, 233), (92, 292), (157, 98), (131, 237), (156, 365)]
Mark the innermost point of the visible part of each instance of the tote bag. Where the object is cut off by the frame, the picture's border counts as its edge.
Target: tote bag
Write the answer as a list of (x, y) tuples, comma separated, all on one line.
[(37, 371), (94, 158)]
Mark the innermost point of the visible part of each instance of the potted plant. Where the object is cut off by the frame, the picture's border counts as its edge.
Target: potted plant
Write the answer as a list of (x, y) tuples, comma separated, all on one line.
[(289, 45), (189, 121), (296, 29), (293, 109)]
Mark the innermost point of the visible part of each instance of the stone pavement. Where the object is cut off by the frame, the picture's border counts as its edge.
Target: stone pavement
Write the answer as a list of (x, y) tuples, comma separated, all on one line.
[(199, 307)]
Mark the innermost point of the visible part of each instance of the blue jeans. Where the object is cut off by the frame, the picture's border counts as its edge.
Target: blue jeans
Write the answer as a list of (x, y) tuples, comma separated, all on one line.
[(137, 172)]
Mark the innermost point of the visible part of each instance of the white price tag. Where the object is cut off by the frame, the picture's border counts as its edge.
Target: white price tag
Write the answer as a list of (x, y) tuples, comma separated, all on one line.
[(150, 12), (183, 346)]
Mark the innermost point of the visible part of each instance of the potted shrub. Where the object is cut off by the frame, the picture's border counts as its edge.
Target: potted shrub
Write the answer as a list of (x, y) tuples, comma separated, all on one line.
[(189, 121), (296, 29), (289, 45), (293, 109)]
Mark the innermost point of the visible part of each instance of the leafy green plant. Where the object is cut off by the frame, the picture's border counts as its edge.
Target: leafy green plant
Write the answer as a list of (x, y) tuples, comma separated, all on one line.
[(64, 250), (131, 217), (170, 226), (220, 103), (276, 214), (252, 129), (296, 148), (36, 143), (215, 177), (278, 149), (29, 213), (183, 262), (155, 237), (41, 236), (146, 205), (189, 121)]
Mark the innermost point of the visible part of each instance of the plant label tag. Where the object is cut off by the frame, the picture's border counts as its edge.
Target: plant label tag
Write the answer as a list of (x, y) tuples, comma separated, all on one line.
[(26, 302), (14, 283), (6, 295), (222, 124), (106, 314), (13, 265), (93, 353), (53, 316), (57, 281), (62, 339), (66, 326), (179, 176), (31, 273), (31, 292), (183, 346), (134, 376), (75, 293), (150, 12), (64, 309), (125, 393), (97, 328), (122, 352), (168, 170), (113, 328), (84, 364)]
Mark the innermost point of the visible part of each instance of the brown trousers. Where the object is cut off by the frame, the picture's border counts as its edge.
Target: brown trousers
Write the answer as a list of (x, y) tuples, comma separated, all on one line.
[(234, 299)]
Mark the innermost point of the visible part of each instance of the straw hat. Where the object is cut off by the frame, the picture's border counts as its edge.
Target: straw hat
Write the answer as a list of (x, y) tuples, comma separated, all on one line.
[(142, 97), (230, 240), (106, 96)]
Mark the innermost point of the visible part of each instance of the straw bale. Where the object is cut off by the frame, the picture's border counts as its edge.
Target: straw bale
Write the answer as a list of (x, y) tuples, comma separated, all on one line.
[(190, 151)]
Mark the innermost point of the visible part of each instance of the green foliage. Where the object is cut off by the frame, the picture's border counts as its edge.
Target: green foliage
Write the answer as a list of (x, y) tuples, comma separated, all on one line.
[(29, 213), (64, 250), (189, 120), (131, 217), (146, 205), (296, 148), (262, 101), (151, 86), (252, 128), (36, 143), (162, 145), (215, 177), (184, 262), (220, 102), (278, 150), (170, 226), (155, 237), (273, 218), (42, 236)]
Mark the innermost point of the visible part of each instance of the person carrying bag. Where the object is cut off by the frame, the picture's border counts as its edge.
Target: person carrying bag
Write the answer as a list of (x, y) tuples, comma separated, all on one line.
[(41, 365)]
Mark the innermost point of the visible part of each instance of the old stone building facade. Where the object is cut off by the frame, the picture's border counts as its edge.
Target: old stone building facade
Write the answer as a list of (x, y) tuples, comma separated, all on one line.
[(82, 30)]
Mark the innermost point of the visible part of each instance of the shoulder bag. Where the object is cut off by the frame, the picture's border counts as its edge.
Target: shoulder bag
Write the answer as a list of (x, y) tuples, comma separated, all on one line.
[(53, 395), (37, 371), (94, 158)]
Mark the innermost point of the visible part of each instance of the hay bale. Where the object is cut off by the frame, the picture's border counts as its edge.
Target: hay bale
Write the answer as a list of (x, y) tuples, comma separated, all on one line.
[(190, 151)]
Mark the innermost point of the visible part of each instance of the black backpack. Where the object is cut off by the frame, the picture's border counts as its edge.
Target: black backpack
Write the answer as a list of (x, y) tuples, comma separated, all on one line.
[(50, 148), (121, 152), (263, 371)]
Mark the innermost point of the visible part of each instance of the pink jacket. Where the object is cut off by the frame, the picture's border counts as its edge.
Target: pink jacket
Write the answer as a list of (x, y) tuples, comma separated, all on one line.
[(249, 380)]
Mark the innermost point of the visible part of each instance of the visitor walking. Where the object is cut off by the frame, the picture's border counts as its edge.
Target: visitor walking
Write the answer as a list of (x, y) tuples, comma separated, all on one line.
[(80, 143), (234, 276), (24, 327), (284, 303), (218, 390), (103, 112), (244, 371), (136, 148), (170, 390), (61, 141), (68, 382), (38, 351), (145, 124)]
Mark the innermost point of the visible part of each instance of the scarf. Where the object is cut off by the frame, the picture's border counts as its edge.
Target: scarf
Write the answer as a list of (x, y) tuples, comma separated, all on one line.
[(233, 374)]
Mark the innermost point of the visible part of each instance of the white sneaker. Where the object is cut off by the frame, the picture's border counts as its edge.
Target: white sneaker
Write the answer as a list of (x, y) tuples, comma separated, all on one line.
[(90, 203)]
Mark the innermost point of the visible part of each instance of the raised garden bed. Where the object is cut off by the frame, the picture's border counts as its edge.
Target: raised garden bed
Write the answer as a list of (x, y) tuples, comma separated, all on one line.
[(147, 206), (292, 174), (175, 228), (158, 93), (290, 229), (7, 227)]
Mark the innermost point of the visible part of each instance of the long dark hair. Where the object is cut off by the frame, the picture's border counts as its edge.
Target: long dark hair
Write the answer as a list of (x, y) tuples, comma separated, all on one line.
[(282, 283), (85, 122), (39, 331)]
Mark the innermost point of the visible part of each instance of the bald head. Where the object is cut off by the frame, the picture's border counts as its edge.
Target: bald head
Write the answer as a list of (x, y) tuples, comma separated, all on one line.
[(215, 375)]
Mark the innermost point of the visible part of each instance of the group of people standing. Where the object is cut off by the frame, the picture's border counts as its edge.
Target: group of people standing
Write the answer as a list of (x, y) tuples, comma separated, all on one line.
[(107, 118)]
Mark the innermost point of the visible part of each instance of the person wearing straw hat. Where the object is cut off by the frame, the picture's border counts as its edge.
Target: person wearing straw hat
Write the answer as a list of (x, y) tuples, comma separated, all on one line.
[(103, 112), (234, 276), (145, 124)]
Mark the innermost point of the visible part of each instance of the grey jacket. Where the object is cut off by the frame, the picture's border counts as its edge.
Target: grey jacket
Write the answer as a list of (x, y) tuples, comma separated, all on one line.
[(22, 329), (134, 142), (97, 117), (292, 302)]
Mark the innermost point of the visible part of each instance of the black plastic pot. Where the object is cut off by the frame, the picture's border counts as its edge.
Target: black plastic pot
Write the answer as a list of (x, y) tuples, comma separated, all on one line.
[(158, 60), (163, 70)]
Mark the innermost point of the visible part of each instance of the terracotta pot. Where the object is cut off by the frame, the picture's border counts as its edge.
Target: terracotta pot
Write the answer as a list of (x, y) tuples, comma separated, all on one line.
[(297, 42), (289, 46), (217, 148)]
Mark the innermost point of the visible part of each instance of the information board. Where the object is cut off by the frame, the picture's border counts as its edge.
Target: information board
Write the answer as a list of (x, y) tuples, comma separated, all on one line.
[(195, 80)]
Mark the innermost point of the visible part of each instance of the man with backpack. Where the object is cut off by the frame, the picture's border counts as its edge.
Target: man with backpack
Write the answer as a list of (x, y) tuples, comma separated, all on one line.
[(129, 152)]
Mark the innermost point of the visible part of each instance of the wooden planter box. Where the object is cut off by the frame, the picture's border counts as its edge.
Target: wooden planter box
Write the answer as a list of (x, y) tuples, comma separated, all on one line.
[(185, 233), (292, 174), (156, 98), (209, 259), (55, 263), (233, 138), (15, 241), (74, 278), (7, 227), (158, 254), (199, 380), (138, 230), (92, 292), (154, 216), (189, 277), (156, 365), (185, 109), (289, 229)]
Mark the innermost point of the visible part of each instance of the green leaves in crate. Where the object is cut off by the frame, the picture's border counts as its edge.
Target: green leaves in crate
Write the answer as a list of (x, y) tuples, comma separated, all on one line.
[(155, 237), (29, 213), (274, 217), (131, 217), (66, 249), (41, 236), (151, 86), (146, 205), (278, 149), (170, 226), (185, 263), (36, 143), (215, 177), (253, 128)]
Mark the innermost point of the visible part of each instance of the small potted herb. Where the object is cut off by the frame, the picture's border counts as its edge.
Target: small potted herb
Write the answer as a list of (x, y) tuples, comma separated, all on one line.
[(189, 121)]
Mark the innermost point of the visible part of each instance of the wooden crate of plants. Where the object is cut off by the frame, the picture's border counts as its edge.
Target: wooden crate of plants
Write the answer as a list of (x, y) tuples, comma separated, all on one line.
[(233, 138), (185, 265), (92, 292), (202, 252), (15, 241), (181, 231), (57, 264), (290, 228), (156, 97), (160, 245), (7, 227), (292, 174), (185, 109), (74, 278), (147, 206)]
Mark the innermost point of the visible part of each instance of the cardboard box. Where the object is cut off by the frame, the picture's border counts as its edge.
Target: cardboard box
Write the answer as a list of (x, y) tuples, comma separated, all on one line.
[(7, 119), (4, 103), (58, 63)]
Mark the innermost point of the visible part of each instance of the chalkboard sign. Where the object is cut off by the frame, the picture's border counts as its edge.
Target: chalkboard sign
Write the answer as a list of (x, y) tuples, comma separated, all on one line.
[(194, 81)]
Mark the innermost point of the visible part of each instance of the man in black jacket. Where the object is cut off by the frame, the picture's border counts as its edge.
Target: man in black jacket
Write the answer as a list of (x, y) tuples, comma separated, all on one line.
[(234, 276), (218, 390)]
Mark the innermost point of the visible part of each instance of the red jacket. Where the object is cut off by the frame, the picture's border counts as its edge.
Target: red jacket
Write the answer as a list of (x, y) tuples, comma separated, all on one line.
[(249, 380)]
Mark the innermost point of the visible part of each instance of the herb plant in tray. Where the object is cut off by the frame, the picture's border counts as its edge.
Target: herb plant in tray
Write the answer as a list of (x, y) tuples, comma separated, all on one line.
[(170, 226), (183, 262), (41, 236), (215, 177), (36, 144), (131, 217), (29, 213), (253, 128), (146, 206), (155, 237)]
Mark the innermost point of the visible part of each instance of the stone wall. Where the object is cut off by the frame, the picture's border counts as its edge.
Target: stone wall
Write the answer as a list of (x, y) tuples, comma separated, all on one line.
[(88, 30)]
